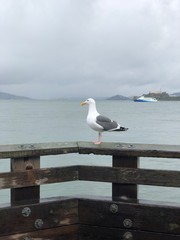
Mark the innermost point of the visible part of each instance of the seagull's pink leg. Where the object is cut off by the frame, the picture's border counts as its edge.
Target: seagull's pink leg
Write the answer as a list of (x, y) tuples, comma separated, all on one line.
[(99, 138)]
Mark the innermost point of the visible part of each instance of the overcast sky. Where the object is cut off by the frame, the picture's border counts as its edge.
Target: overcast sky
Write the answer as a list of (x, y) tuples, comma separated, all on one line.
[(89, 48)]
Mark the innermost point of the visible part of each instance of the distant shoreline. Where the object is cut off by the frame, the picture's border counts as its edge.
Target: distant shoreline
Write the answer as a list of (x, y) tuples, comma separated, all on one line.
[(163, 96), (8, 96)]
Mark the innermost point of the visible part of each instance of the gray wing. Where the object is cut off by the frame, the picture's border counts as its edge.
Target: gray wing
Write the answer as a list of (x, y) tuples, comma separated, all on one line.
[(106, 123)]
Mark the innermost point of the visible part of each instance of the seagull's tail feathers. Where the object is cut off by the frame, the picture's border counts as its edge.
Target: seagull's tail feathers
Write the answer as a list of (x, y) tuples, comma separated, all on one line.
[(120, 129)]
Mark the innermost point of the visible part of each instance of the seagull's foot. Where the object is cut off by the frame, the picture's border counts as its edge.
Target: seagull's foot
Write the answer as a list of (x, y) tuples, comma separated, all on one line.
[(99, 139), (97, 143)]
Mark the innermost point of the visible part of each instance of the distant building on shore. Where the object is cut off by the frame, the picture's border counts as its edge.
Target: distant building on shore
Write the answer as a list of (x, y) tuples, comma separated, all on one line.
[(156, 92), (162, 96)]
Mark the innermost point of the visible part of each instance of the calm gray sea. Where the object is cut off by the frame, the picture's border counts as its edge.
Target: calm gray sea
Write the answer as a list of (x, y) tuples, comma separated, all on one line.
[(59, 121)]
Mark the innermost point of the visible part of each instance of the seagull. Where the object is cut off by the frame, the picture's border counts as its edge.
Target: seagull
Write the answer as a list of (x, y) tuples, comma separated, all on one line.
[(98, 122)]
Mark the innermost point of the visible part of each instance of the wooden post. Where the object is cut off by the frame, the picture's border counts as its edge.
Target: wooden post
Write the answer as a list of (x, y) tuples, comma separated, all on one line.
[(124, 191), (25, 194)]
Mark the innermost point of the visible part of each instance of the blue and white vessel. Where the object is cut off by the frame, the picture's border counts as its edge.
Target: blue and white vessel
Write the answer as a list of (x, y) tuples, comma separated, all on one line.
[(145, 99)]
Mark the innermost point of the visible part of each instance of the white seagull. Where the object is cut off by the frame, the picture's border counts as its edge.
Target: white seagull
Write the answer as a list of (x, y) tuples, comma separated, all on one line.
[(98, 122)]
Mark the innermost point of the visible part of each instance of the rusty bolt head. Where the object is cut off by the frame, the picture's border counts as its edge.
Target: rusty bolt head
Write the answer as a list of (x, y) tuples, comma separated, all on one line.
[(27, 238), (114, 208), (38, 223), (127, 223), (26, 212), (127, 236)]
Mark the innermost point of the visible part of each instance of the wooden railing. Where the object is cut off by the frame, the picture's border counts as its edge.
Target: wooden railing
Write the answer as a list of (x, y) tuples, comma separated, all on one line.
[(123, 216)]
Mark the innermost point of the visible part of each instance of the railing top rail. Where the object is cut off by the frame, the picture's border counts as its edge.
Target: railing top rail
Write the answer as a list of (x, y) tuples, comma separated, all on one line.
[(131, 149), (37, 149), (106, 148)]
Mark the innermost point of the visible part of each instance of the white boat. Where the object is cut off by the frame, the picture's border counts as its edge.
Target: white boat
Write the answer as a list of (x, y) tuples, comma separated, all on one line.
[(145, 99)]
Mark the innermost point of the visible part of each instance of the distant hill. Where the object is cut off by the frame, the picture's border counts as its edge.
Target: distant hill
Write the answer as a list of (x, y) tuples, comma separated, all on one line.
[(118, 97), (8, 96)]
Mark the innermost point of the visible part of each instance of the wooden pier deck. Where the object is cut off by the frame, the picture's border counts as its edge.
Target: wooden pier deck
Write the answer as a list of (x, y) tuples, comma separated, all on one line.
[(123, 216)]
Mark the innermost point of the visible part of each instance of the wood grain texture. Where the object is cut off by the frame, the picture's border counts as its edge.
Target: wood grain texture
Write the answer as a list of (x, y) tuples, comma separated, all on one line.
[(144, 217), (126, 175), (27, 194), (98, 233), (121, 190), (36, 177), (37, 149), (53, 214), (88, 219), (130, 149), (70, 232), (125, 149)]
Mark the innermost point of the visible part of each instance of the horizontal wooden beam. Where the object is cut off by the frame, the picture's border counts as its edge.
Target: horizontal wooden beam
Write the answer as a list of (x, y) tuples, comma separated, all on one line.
[(70, 232), (36, 177), (130, 176), (108, 233), (128, 149), (33, 217), (90, 219), (37, 149), (87, 232), (130, 216), (124, 149)]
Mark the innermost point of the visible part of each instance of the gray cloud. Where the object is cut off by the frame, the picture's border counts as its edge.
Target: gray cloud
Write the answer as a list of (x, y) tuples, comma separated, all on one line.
[(89, 47)]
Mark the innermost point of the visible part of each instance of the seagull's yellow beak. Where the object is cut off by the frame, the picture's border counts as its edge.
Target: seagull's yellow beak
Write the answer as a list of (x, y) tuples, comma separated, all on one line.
[(83, 103)]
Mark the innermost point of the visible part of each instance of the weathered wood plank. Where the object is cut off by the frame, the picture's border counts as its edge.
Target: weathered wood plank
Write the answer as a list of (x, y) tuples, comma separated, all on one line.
[(99, 233), (128, 149), (61, 233), (130, 216), (27, 194), (36, 177), (32, 217), (125, 149), (121, 190), (130, 176), (37, 149)]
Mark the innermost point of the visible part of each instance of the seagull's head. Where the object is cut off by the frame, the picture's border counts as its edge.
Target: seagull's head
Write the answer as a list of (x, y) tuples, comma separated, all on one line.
[(89, 101)]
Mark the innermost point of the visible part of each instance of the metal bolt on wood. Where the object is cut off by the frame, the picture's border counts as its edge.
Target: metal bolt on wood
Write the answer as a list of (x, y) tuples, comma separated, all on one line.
[(27, 238), (38, 223), (114, 208), (127, 223), (26, 212), (127, 236)]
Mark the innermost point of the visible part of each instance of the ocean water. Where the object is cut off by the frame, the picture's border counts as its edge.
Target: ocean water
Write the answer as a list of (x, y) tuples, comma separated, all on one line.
[(61, 121)]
